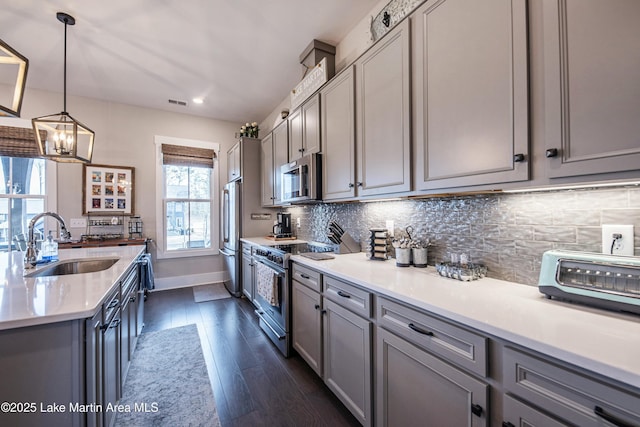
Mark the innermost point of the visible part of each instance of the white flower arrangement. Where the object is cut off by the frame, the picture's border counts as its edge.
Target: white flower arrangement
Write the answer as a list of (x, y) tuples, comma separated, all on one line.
[(249, 130)]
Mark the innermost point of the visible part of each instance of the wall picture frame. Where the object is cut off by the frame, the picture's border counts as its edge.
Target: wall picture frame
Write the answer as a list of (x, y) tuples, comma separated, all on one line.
[(107, 190)]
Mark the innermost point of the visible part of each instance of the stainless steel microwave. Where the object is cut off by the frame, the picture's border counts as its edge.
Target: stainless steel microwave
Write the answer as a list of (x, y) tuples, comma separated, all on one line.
[(302, 179)]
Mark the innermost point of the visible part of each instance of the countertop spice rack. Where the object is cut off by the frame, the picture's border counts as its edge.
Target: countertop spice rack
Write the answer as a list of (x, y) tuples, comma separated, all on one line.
[(101, 227), (378, 244)]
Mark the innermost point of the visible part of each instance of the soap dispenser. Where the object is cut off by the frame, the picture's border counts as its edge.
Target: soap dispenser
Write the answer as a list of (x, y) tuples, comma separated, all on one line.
[(49, 249)]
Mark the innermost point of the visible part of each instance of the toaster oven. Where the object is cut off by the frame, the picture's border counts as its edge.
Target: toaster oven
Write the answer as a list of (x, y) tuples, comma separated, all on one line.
[(606, 281)]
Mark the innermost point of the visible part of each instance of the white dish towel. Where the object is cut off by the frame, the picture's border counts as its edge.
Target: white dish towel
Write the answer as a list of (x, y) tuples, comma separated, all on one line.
[(267, 284)]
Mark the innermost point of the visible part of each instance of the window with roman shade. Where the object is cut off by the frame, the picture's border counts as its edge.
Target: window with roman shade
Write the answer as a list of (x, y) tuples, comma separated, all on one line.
[(178, 155), (187, 186), (18, 142), (27, 184)]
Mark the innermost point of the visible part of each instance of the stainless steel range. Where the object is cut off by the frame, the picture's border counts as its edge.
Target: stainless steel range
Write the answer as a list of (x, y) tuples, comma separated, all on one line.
[(273, 289)]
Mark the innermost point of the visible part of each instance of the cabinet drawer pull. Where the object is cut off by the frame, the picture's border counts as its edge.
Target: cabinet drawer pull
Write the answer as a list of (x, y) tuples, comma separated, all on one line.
[(114, 324), (612, 419), (518, 158), (419, 330), (317, 306), (343, 295), (113, 303), (305, 276), (476, 410), (551, 152)]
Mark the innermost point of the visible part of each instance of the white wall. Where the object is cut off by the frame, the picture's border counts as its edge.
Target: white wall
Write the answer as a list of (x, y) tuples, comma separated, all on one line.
[(354, 44), (125, 137)]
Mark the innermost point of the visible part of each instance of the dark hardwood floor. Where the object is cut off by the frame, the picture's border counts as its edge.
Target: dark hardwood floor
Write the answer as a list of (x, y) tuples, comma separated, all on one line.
[(253, 384)]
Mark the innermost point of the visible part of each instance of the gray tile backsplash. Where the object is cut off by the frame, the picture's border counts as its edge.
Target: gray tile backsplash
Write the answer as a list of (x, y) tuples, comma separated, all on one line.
[(506, 232)]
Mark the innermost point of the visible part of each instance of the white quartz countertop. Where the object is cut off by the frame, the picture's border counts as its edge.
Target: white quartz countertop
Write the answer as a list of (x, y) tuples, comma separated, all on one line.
[(28, 301), (601, 341)]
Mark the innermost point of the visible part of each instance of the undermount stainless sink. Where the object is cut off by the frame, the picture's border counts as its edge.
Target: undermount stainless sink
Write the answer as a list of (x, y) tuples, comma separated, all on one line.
[(74, 266)]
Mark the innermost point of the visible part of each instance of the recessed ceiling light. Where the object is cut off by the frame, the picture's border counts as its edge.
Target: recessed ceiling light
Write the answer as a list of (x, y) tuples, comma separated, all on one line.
[(198, 100)]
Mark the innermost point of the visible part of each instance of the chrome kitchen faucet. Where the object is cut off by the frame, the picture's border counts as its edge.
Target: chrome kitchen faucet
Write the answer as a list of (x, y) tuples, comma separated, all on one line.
[(31, 255)]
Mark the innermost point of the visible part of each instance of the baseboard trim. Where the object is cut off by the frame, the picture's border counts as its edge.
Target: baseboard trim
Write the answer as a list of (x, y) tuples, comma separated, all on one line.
[(164, 283)]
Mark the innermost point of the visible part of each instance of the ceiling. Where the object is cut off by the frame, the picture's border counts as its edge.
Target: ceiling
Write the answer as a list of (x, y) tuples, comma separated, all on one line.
[(241, 56)]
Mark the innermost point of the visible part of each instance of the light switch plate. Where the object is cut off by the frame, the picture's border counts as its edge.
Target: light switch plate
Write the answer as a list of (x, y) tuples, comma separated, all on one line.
[(78, 223), (621, 246)]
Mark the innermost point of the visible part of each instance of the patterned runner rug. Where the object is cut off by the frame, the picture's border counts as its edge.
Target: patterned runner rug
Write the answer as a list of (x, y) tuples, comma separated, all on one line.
[(168, 383)]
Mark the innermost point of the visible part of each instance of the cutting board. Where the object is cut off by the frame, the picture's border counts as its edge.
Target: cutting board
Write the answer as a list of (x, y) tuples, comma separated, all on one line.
[(317, 256)]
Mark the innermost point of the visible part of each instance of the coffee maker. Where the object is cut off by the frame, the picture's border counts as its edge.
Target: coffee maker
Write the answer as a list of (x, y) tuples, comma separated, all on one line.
[(282, 228)]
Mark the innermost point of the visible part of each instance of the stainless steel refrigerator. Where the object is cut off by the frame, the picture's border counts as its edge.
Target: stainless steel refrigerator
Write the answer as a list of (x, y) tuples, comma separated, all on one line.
[(240, 199)]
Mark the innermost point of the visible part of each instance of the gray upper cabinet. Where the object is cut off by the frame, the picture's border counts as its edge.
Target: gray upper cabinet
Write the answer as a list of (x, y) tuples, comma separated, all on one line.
[(592, 95), (382, 115), (338, 137), (304, 125), (275, 148), (268, 172), (470, 104), (233, 163)]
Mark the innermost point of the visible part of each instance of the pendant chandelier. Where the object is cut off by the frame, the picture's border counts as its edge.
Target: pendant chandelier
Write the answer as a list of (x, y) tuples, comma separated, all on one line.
[(12, 62), (60, 137)]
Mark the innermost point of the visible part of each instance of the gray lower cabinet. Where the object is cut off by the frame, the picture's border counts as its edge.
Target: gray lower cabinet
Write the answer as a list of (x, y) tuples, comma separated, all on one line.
[(307, 325), (248, 272), (591, 91), (415, 388), (470, 93), (566, 393), (338, 137), (93, 367), (383, 115), (30, 354), (347, 359), (332, 332), (518, 414)]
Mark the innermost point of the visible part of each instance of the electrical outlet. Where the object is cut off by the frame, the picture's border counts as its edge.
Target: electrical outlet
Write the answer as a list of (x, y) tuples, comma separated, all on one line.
[(622, 245), (390, 227), (78, 223), (298, 222)]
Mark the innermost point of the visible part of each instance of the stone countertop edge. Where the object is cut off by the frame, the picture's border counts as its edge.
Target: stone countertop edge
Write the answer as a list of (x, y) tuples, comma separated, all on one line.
[(604, 342), (28, 301)]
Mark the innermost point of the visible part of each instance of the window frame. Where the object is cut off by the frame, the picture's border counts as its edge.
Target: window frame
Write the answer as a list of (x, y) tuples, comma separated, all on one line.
[(50, 196), (161, 238)]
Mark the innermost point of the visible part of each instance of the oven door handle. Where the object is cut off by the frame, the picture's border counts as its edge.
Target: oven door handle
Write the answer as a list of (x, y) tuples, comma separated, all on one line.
[(260, 315), (276, 272)]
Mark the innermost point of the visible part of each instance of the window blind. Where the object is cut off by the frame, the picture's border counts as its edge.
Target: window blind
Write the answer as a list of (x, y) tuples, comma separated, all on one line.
[(178, 155), (19, 142)]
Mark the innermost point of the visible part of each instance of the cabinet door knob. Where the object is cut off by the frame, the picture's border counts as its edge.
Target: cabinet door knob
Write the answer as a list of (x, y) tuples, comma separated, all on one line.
[(518, 158), (351, 185), (317, 306), (360, 184), (551, 152), (476, 410), (324, 312)]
